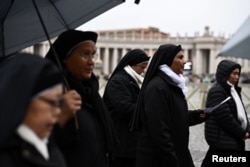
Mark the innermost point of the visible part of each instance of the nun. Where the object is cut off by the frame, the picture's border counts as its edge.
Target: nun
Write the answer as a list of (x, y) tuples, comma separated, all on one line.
[(88, 138), (162, 117), (120, 96), (31, 91)]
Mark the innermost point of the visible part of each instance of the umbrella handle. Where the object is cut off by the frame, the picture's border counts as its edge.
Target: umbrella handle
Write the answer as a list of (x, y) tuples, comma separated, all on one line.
[(76, 122), (75, 116)]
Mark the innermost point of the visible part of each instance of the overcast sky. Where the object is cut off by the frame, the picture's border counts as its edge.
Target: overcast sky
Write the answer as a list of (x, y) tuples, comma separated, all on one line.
[(175, 16)]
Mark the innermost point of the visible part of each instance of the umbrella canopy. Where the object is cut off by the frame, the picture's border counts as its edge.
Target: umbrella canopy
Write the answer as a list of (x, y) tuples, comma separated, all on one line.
[(239, 44), (21, 27)]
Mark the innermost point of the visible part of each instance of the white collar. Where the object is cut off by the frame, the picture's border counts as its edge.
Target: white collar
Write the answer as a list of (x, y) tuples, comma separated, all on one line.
[(138, 78), (29, 136), (239, 105), (178, 79), (229, 83)]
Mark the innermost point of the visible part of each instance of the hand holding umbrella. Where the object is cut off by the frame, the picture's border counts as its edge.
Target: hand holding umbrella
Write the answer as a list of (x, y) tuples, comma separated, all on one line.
[(71, 104)]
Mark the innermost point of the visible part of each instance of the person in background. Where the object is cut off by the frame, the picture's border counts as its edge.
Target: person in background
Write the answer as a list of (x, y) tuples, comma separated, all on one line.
[(228, 126), (162, 117), (88, 138), (31, 91), (120, 96)]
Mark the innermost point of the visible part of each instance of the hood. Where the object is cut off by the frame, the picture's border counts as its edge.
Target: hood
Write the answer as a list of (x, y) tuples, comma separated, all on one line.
[(224, 69)]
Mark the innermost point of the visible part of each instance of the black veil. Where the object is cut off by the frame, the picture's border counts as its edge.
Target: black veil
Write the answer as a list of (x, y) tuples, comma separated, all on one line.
[(161, 56)]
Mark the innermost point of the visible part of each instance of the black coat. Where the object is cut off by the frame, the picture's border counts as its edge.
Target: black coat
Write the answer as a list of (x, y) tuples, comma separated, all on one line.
[(165, 122), (91, 144), (120, 96), (223, 129), (19, 153)]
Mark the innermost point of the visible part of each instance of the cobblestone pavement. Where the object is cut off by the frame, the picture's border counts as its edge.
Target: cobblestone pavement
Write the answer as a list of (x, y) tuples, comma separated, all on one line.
[(198, 145)]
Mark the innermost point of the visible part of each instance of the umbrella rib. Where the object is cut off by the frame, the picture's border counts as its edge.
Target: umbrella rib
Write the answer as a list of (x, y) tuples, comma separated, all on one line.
[(52, 47), (59, 13), (3, 39)]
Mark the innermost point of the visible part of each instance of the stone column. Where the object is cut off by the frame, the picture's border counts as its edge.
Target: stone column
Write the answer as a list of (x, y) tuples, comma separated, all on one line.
[(185, 54), (198, 62), (124, 51), (98, 63), (115, 58), (98, 54), (44, 49), (106, 61), (212, 63)]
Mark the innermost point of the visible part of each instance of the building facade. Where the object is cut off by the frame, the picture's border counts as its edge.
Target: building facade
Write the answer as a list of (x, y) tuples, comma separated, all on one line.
[(200, 50)]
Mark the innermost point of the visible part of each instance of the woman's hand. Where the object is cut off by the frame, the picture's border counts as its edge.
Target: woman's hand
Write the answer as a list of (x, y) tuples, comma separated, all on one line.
[(203, 114), (247, 135), (71, 104)]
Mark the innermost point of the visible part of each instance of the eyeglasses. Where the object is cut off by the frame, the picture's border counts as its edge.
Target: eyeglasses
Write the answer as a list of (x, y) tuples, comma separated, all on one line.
[(88, 55), (54, 103)]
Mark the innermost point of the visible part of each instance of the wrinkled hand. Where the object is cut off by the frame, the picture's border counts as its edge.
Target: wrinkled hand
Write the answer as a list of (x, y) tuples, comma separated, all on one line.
[(71, 104), (71, 101)]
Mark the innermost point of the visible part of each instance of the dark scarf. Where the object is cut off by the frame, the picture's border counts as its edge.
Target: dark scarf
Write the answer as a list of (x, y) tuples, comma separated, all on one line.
[(91, 98)]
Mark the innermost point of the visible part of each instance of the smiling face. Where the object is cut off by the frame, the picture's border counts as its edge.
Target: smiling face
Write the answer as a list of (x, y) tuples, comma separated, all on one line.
[(43, 114), (178, 63), (80, 62)]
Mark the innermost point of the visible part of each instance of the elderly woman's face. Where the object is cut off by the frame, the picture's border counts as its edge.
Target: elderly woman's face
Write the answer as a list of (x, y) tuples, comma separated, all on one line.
[(80, 62), (178, 63)]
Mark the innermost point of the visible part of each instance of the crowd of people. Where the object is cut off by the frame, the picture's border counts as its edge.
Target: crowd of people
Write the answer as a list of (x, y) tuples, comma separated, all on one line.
[(53, 115)]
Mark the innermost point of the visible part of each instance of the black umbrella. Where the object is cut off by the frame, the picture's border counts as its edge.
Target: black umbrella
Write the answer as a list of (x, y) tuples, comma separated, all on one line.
[(24, 23), (239, 44)]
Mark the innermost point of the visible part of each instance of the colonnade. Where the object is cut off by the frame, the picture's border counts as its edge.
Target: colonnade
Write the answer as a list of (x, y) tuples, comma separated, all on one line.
[(201, 51), (204, 61)]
